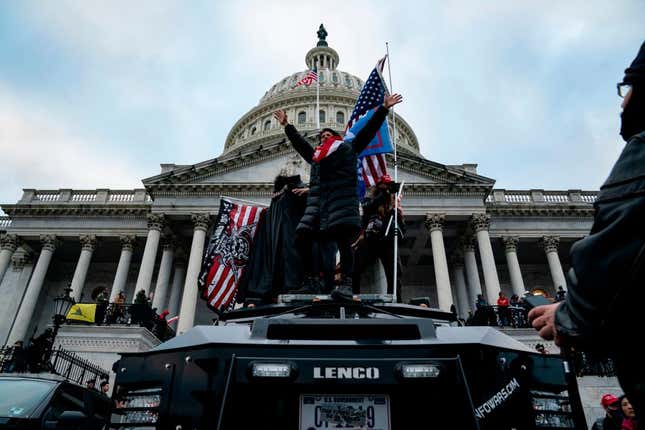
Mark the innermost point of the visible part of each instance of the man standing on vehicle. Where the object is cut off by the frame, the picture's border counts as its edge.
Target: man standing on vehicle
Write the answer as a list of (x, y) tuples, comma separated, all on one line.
[(606, 283), (331, 213)]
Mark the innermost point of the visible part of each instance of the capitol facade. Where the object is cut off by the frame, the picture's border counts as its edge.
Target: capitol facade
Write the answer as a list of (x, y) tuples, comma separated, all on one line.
[(464, 236)]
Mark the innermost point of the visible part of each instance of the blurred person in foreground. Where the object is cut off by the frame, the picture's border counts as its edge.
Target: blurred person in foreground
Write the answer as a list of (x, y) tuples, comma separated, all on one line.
[(606, 283)]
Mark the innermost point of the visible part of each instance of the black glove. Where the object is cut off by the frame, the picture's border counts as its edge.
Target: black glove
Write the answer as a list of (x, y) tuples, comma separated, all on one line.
[(374, 227)]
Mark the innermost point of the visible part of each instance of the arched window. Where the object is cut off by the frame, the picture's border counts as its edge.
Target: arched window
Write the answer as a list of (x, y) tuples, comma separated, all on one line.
[(334, 77), (267, 125), (321, 76), (340, 117), (253, 130), (322, 116), (302, 117), (348, 81)]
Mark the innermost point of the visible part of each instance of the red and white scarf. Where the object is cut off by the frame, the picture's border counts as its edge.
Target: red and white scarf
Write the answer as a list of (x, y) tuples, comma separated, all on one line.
[(326, 148)]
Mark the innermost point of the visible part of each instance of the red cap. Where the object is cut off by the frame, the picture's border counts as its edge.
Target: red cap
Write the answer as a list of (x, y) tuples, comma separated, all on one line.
[(385, 179), (608, 400)]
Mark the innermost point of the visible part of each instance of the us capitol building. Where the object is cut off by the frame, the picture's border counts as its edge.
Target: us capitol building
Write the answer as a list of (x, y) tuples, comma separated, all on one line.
[(464, 236)]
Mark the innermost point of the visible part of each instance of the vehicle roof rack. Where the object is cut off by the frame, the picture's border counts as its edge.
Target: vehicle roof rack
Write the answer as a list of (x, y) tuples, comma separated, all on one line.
[(315, 308), (308, 298)]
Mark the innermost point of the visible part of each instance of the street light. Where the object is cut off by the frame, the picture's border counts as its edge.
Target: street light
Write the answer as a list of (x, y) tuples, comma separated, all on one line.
[(62, 304)]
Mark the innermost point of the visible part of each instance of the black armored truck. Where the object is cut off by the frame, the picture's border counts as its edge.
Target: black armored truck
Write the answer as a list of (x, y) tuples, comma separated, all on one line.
[(371, 364)]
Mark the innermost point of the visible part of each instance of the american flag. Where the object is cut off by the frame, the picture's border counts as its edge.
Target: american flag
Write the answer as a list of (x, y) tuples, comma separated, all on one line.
[(227, 253), (309, 78), (372, 164)]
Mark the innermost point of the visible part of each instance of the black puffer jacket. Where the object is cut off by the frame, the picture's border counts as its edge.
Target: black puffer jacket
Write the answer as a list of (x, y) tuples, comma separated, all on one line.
[(606, 282), (332, 204)]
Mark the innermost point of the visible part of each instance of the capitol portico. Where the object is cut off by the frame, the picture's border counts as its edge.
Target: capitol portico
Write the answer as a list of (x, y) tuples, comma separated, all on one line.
[(464, 236)]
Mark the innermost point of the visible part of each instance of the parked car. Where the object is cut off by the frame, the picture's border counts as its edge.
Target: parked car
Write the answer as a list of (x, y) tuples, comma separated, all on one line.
[(47, 401)]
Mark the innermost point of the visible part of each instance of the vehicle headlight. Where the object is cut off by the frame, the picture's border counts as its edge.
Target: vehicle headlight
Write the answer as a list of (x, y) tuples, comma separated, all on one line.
[(420, 370), (140, 408), (271, 370)]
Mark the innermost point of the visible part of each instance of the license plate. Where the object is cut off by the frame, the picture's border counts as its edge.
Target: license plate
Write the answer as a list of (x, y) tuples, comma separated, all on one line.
[(349, 411)]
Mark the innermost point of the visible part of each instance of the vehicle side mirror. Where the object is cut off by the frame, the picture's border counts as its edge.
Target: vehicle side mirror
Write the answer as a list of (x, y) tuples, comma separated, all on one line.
[(71, 420)]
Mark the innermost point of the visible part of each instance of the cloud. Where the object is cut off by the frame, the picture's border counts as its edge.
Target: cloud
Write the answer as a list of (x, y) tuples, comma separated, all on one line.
[(145, 30), (41, 150), (522, 88)]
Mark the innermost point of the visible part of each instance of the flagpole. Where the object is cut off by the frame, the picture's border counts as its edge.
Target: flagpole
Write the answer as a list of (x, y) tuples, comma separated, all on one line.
[(317, 98), (396, 177), (221, 196)]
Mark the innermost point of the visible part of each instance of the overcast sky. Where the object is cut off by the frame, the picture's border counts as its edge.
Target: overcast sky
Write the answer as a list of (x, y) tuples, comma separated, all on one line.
[(98, 94)]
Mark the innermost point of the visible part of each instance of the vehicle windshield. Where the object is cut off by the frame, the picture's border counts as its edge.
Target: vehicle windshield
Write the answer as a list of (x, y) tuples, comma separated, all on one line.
[(20, 397)]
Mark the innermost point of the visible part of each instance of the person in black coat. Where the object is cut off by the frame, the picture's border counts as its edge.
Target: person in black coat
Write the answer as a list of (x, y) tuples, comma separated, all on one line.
[(376, 240), (274, 265), (331, 213), (606, 284)]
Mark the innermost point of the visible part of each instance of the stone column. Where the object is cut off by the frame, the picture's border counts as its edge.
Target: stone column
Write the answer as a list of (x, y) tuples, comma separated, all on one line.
[(434, 223), (460, 287), (155, 225), (510, 248), (550, 244), (165, 270), (26, 312), (8, 244), (189, 297), (122, 270), (88, 243), (472, 272), (177, 285), (480, 224), (19, 259)]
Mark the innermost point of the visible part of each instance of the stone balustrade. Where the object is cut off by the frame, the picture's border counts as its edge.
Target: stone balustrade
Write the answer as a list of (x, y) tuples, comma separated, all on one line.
[(529, 197), (5, 222), (100, 196)]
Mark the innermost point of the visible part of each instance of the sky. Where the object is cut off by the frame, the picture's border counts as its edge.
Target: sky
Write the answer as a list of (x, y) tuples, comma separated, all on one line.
[(97, 94)]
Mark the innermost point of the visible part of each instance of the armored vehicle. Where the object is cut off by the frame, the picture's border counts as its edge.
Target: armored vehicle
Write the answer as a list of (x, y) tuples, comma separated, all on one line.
[(371, 364)]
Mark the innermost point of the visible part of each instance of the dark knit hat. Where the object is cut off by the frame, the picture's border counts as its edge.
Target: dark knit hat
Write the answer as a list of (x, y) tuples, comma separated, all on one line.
[(636, 71), (332, 131)]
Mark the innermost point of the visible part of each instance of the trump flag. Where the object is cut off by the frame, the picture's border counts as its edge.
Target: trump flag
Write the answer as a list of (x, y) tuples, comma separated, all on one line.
[(227, 253)]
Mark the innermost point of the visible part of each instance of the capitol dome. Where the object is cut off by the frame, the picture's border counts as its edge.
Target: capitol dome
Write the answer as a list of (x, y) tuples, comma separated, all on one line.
[(338, 93)]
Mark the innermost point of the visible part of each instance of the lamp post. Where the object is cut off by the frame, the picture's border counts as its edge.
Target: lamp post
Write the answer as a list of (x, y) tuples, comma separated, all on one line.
[(62, 304)]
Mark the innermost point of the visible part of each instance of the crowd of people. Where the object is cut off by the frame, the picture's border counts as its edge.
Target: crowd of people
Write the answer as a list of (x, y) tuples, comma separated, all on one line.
[(507, 312), (140, 312), (32, 358)]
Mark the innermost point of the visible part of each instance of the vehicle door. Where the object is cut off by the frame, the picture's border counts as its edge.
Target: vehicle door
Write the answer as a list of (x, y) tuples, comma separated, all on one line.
[(73, 398)]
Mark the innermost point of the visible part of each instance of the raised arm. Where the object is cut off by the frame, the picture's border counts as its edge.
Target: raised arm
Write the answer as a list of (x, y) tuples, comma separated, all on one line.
[(298, 142), (367, 133)]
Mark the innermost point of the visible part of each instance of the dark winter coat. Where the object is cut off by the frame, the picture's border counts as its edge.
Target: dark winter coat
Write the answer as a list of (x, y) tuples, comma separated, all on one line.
[(606, 280), (608, 423), (332, 204), (375, 199), (274, 264), (603, 308)]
